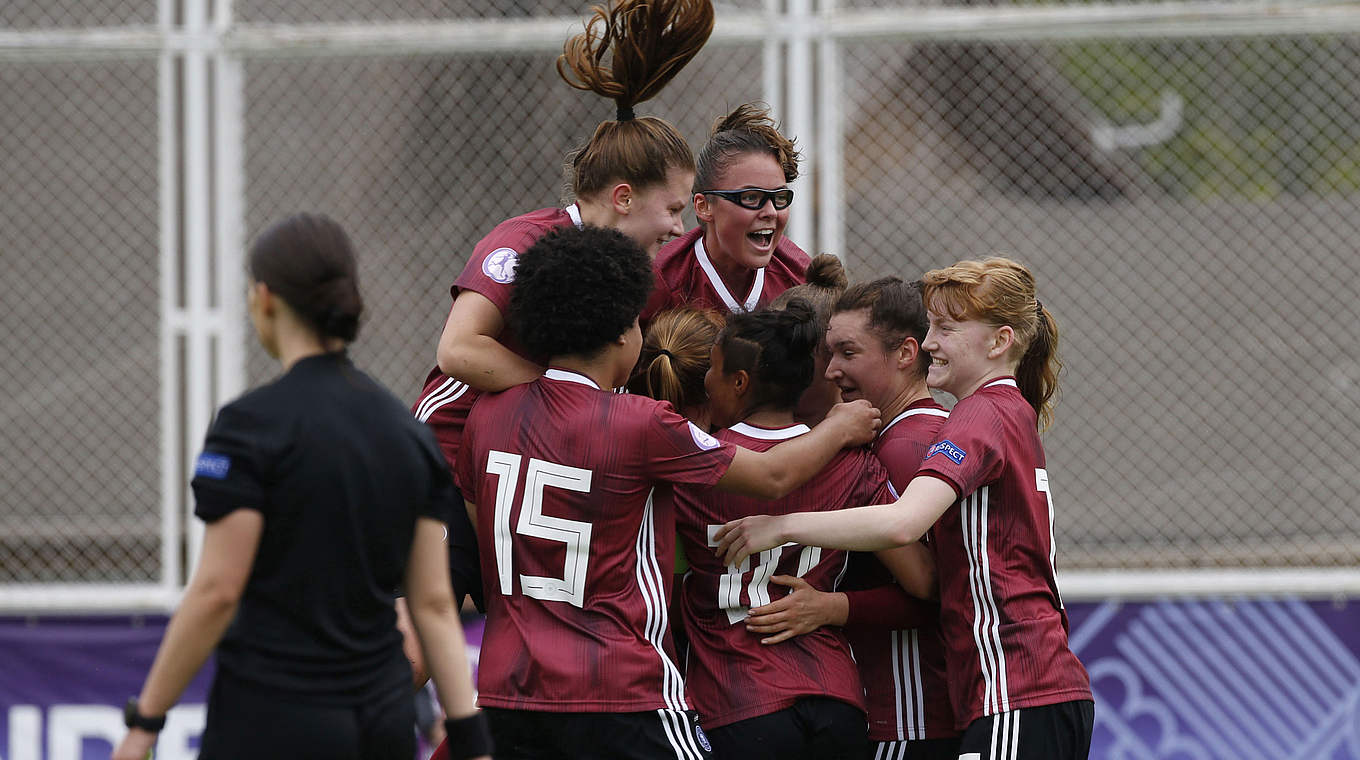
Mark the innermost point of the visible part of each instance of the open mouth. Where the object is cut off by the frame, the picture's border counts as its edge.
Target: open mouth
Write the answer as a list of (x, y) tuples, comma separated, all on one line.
[(761, 238)]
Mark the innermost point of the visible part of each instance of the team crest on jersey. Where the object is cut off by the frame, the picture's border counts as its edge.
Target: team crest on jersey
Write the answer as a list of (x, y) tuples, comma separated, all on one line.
[(214, 466), (703, 738), (947, 448), (500, 264), (703, 440)]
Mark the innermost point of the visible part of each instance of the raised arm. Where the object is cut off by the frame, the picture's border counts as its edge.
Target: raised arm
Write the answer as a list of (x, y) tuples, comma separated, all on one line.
[(871, 528), (774, 473), (470, 350)]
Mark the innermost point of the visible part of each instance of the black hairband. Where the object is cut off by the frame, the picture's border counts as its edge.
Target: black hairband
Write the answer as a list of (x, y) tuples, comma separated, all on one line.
[(664, 352), (624, 113)]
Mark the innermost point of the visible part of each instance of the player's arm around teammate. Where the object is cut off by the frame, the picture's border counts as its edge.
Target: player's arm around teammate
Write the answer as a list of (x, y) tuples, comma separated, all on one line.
[(1016, 684)]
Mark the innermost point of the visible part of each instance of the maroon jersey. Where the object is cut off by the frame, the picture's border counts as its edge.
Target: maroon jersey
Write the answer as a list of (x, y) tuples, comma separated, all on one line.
[(576, 553), (1004, 625), (903, 669), (444, 402), (731, 675), (685, 277)]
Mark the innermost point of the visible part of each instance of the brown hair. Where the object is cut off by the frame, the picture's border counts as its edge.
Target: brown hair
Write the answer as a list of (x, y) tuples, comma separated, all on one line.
[(826, 281), (649, 42), (748, 129), (895, 312), (308, 261), (675, 357), (1000, 291)]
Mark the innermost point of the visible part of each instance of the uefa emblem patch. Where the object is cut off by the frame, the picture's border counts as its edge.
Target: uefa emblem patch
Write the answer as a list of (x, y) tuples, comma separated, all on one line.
[(500, 265), (947, 448), (703, 440), (212, 466)]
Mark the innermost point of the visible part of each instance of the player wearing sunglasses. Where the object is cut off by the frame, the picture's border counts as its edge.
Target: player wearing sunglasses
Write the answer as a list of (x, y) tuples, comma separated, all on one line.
[(737, 259)]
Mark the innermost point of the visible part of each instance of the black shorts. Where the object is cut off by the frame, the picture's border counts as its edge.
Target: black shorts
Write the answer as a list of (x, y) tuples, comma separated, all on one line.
[(814, 728), (532, 735), (915, 749), (245, 721), (1051, 732)]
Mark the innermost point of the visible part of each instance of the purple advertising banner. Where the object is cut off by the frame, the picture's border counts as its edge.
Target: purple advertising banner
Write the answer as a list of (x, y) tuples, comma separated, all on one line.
[(1186, 680)]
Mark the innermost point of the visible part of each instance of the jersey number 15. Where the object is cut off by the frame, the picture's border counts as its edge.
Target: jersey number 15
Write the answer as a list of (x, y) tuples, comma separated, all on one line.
[(575, 534)]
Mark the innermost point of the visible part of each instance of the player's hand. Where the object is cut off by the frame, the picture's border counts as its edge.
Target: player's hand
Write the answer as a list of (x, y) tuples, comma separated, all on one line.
[(803, 610), (857, 421), (740, 539), (137, 745)]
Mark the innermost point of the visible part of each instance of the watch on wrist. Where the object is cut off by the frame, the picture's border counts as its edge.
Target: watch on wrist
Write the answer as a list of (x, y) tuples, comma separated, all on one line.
[(133, 718)]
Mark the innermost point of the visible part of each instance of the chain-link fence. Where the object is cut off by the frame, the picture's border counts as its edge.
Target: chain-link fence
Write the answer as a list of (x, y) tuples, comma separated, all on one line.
[(1188, 203)]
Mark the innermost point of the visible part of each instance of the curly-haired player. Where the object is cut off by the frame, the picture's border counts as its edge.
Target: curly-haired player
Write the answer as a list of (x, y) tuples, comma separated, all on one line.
[(570, 486)]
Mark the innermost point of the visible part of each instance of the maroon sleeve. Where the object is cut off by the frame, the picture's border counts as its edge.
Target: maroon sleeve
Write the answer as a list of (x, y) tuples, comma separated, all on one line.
[(678, 451), (967, 452), (886, 606), (491, 268)]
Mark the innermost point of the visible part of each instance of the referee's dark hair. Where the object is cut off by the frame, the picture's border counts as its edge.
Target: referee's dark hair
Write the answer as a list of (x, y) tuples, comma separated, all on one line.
[(578, 289), (308, 261)]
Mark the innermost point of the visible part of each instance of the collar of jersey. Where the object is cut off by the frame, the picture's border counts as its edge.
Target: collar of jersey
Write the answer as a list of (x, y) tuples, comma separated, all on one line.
[(927, 410), (705, 264), (567, 376), (574, 211), (1002, 381), (770, 434)]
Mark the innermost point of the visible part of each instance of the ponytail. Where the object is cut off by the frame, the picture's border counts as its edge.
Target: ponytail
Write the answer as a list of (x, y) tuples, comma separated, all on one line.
[(648, 42), (1037, 373), (675, 357)]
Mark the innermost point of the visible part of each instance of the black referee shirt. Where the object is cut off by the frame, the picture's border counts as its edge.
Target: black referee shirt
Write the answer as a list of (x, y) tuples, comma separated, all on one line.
[(340, 470)]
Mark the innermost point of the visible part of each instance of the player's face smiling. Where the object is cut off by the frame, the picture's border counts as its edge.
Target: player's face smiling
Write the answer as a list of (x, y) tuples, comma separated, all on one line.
[(959, 353), (859, 366), (724, 400), (741, 238), (654, 211)]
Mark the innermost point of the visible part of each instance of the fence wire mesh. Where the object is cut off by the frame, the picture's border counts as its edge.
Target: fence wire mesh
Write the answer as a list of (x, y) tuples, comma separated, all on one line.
[(1188, 206), (80, 250)]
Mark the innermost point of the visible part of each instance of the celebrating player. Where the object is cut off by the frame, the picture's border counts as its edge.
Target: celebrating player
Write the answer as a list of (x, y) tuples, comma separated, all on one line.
[(737, 259), (320, 495), (570, 483), (875, 340), (1013, 680), (633, 175), (826, 281), (801, 698)]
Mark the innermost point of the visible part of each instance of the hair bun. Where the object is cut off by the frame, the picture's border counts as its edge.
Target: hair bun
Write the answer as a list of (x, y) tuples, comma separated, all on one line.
[(827, 271)]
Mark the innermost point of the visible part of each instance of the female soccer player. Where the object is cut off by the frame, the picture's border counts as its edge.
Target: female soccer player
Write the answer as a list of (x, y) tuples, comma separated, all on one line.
[(1013, 680), (875, 338), (321, 495), (801, 698), (826, 281), (633, 175), (571, 485), (737, 259)]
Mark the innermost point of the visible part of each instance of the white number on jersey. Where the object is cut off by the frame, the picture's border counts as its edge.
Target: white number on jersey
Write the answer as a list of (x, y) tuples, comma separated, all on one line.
[(575, 534), (1041, 482), (729, 586)]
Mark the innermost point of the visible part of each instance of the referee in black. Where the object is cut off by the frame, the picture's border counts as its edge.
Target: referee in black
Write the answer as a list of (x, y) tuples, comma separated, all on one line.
[(322, 496)]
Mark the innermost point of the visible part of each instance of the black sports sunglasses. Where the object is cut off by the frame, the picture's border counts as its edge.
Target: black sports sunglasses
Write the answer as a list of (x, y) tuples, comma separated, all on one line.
[(754, 198)]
